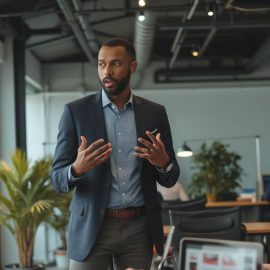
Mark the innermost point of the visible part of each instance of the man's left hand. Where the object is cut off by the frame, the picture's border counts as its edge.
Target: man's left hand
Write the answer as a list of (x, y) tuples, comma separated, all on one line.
[(153, 151)]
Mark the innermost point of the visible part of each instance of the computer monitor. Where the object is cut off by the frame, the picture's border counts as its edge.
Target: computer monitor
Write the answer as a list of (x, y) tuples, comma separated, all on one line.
[(212, 254)]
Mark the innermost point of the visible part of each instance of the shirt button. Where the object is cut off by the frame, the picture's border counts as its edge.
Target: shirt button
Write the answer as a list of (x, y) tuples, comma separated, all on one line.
[(123, 183), (123, 194), (119, 150), (119, 133), (120, 169), (118, 116)]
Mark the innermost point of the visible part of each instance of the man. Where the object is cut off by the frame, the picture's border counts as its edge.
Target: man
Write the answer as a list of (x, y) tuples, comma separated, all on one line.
[(112, 147)]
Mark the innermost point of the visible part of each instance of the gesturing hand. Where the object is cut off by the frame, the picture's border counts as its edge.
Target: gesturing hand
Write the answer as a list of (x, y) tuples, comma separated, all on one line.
[(91, 156), (153, 151)]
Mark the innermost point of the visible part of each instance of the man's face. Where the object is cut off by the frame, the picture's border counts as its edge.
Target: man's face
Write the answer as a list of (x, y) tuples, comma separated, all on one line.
[(114, 69)]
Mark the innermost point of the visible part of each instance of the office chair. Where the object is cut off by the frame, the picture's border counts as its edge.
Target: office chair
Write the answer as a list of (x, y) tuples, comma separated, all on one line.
[(221, 223), (165, 257), (191, 205)]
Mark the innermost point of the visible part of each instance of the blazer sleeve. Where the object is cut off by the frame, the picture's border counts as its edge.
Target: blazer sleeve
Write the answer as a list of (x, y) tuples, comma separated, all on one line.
[(65, 153), (168, 179)]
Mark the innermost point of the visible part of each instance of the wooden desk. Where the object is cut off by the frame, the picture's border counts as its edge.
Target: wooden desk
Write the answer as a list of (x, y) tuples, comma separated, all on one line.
[(250, 211), (257, 227), (251, 227), (237, 203)]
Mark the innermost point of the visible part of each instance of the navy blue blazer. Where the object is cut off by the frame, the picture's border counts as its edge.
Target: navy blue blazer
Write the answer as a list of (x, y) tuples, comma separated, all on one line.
[(91, 192)]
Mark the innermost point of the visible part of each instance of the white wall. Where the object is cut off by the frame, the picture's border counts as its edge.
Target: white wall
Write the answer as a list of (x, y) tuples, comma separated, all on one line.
[(200, 113)]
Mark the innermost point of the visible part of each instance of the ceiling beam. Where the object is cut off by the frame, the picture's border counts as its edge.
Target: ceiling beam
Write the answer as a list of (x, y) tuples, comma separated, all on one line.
[(71, 19), (207, 41), (261, 56), (50, 42)]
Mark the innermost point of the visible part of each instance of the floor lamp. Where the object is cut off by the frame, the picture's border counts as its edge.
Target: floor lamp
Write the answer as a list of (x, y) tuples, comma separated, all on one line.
[(186, 151)]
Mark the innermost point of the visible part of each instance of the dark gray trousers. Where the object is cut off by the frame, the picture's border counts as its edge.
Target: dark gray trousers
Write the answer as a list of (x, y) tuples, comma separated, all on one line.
[(127, 241)]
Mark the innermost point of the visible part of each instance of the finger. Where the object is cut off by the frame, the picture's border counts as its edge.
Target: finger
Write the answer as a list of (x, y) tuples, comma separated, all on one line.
[(145, 143), (93, 146), (159, 139), (151, 136), (142, 149), (83, 143), (99, 151), (140, 155), (102, 157)]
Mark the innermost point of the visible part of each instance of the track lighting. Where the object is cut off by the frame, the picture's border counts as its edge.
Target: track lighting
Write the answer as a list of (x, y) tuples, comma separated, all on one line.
[(141, 16), (195, 51), (141, 3), (210, 9)]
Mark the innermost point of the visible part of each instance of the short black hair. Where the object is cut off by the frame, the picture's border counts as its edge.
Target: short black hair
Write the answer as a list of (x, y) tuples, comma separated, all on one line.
[(123, 42)]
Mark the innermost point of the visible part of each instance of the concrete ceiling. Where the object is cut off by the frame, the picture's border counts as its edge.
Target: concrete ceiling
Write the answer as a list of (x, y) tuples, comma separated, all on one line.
[(235, 40)]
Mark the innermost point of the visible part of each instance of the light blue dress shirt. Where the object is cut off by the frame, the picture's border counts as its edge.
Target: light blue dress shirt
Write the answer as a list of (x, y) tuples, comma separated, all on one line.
[(126, 188)]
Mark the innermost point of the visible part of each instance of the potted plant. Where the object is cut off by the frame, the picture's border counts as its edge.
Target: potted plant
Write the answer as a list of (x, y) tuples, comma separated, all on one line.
[(59, 222), (26, 202), (217, 172)]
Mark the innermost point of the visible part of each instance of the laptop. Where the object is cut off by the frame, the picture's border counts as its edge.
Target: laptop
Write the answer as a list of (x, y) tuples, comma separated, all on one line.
[(212, 254)]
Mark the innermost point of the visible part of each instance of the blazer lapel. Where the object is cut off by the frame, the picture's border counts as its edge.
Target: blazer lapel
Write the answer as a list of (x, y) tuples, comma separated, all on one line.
[(98, 117), (140, 116)]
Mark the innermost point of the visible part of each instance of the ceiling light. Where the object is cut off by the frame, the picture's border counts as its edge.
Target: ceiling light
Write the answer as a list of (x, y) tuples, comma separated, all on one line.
[(210, 9), (195, 52), (141, 17), (184, 151), (141, 3), (210, 13)]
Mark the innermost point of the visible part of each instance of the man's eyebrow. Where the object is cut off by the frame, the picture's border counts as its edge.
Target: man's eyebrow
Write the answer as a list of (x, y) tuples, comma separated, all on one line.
[(112, 60)]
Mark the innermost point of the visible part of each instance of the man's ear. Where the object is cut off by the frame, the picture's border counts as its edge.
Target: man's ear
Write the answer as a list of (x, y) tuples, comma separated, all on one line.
[(133, 66)]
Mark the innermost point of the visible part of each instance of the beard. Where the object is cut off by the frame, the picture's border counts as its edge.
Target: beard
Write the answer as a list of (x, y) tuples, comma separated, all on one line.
[(119, 85)]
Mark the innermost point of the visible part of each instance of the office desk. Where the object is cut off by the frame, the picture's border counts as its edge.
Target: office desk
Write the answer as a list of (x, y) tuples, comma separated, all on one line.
[(252, 228), (250, 211), (257, 227), (237, 203)]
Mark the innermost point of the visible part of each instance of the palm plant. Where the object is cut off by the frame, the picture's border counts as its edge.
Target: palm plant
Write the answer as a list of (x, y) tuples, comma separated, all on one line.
[(26, 202)]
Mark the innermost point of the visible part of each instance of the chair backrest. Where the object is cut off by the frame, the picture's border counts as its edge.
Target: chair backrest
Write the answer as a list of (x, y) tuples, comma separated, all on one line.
[(191, 205), (221, 223)]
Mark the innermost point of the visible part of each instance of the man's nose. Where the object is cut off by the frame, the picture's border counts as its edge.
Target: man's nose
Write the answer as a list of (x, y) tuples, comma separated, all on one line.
[(108, 70)]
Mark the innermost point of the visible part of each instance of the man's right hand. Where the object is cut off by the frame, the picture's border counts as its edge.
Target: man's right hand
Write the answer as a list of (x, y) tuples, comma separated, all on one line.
[(90, 157)]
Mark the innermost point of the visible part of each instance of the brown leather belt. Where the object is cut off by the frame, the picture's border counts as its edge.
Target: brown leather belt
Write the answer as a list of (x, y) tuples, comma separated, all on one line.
[(127, 213)]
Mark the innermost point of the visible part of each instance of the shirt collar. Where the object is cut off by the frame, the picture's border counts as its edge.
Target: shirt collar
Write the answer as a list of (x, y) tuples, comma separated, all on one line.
[(106, 101)]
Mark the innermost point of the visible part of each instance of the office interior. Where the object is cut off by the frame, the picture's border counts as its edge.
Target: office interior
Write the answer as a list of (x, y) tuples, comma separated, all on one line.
[(222, 93)]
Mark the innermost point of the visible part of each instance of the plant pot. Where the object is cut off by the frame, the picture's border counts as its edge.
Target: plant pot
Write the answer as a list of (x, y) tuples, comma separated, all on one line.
[(62, 261), (16, 266), (227, 196), (211, 197)]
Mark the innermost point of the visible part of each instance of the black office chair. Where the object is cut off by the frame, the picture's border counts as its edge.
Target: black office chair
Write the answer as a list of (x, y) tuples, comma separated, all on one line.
[(221, 223), (190, 205)]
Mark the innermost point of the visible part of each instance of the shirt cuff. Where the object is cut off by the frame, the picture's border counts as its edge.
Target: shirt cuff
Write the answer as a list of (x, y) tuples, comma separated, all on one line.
[(71, 177)]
